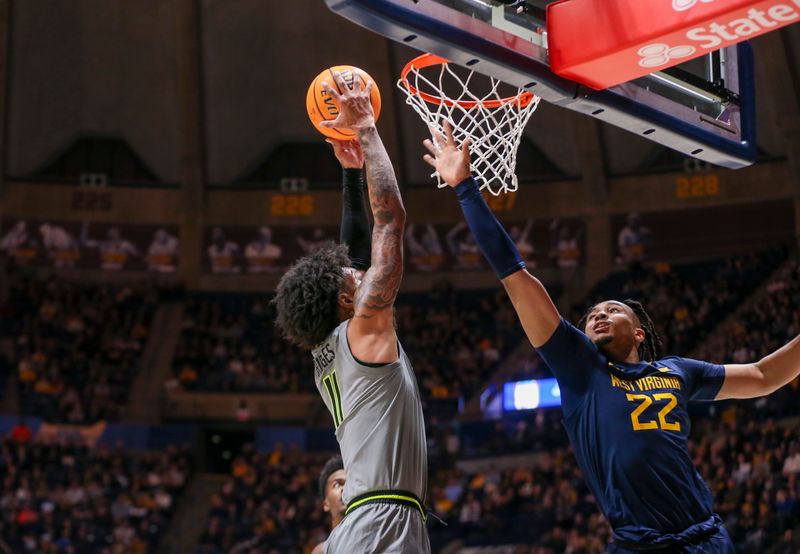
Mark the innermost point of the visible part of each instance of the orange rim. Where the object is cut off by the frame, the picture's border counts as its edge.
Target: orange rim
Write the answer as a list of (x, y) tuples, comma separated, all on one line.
[(428, 60)]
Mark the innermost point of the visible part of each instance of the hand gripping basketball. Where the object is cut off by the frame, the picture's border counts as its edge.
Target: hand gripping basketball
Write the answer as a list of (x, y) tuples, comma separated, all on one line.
[(450, 162), (355, 107)]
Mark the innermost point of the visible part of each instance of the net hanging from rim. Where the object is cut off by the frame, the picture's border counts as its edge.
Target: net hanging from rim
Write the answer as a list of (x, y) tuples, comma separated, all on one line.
[(493, 122)]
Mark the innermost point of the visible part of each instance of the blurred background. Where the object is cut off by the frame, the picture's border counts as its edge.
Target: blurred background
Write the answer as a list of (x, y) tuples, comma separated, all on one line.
[(158, 173)]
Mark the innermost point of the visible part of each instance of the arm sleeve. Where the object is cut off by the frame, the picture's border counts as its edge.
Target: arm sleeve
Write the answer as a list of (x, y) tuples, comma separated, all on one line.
[(704, 379), (492, 238), (571, 356), (355, 231)]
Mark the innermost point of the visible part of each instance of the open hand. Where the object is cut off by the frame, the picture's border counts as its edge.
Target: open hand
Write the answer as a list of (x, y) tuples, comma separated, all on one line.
[(355, 106), (348, 152), (451, 162)]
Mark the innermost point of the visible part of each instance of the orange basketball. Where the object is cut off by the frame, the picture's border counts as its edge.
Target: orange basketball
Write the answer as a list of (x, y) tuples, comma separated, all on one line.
[(323, 107)]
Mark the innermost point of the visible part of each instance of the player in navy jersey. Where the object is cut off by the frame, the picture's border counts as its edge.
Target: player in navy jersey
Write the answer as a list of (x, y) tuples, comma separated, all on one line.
[(625, 410)]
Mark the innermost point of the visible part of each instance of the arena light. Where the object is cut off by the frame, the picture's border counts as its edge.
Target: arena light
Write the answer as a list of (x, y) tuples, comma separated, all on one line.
[(531, 394)]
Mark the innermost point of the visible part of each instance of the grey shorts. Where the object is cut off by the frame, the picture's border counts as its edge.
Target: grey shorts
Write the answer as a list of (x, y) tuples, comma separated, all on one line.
[(374, 528)]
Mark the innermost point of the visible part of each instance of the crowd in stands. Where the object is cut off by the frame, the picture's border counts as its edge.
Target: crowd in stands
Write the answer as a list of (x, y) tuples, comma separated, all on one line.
[(269, 504), (765, 324), (69, 499), (686, 302), (750, 461), (76, 348), (229, 343), (455, 339), (752, 469)]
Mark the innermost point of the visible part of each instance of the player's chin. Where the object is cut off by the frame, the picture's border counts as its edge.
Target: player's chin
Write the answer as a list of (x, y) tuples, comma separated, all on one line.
[(602, 340)]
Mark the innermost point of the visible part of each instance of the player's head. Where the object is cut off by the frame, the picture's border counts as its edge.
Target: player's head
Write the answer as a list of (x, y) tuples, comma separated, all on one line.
[(619, 327), (331, 484), (316, 294)]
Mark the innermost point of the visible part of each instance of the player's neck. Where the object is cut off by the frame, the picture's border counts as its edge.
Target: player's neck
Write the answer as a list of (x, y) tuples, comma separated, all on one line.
[(631, 357)]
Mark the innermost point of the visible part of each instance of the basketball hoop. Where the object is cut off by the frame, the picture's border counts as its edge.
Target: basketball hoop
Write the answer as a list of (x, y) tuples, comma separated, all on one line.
[(493, 122)]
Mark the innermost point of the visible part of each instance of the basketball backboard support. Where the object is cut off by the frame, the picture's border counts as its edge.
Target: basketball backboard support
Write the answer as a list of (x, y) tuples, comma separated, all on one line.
[(703, 108)]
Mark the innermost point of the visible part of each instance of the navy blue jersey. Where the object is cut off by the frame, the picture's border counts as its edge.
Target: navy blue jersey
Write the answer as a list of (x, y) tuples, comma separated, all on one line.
[(629, 427)]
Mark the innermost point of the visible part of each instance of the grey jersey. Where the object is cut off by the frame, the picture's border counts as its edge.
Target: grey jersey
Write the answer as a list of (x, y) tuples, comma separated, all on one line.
[(378, 417)]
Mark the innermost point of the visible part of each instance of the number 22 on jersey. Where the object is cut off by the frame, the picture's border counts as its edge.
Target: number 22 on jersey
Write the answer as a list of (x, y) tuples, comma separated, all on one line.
[(644, 402)]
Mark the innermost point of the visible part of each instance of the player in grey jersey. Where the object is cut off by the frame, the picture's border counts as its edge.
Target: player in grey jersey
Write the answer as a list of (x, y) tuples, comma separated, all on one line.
[(346, 317)]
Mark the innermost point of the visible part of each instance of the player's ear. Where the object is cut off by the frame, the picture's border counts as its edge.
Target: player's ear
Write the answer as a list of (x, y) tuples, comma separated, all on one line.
[(639, 335), (345, 301), (325, 506)]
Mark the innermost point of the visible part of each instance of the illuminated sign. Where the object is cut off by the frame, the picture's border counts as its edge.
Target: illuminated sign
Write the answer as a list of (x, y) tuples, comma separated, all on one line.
[(530, 395)]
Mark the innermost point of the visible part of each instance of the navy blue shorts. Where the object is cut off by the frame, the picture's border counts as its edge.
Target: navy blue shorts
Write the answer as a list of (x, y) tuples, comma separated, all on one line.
[(718, 543)]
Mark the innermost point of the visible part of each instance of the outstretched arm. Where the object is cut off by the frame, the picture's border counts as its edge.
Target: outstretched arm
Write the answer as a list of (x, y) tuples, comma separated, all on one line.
[(536, 311), (371, 330), (764, 376), (355, 230)]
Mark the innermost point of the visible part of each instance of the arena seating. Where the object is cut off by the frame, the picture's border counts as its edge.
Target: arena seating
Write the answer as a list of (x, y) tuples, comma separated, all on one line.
[(454, 338), (750, 460), (751, 467), (229, 343), (58, 498), (77, 348), (269, 504), (686, 301)]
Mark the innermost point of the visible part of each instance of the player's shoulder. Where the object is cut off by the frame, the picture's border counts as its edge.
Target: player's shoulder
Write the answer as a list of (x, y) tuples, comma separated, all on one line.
[(319, 549), (677, 364), (567, 341)]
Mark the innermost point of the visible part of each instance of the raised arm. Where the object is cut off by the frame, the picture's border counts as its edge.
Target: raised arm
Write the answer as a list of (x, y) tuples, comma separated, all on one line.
[(371, 330), (355, 230), (764, 376), (536, 311)]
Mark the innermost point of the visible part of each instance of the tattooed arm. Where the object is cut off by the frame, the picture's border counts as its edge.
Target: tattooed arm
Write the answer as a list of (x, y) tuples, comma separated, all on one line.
[(371, 331)]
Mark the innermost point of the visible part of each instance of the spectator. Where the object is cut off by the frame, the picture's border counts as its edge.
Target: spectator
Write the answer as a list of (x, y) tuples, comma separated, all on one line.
[(77, 348), (68, 498)]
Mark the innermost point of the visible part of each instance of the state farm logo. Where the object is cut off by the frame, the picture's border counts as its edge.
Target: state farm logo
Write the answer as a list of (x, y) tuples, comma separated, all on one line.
[(732, 27), (656, 55), (683, 5)]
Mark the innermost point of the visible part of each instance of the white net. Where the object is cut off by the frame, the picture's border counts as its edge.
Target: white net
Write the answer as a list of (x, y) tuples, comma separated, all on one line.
[(493, 122)]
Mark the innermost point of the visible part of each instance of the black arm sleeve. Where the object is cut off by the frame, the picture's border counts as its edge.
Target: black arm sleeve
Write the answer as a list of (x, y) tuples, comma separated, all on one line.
[(356, 231)]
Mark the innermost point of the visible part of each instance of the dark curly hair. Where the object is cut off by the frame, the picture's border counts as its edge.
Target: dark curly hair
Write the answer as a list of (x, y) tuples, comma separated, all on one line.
[(331, 466), (308, 293), (650, 348)]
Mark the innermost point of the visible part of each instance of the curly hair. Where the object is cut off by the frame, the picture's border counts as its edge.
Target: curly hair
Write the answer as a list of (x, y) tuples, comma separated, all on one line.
[(331, 466), (308, 293), (650, 348)]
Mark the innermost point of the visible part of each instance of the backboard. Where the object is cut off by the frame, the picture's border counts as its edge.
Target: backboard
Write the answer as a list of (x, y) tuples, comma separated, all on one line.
[(703, 108)]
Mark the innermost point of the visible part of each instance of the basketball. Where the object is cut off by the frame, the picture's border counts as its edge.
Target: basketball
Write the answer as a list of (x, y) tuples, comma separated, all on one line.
[(322, 107)]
